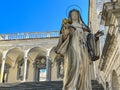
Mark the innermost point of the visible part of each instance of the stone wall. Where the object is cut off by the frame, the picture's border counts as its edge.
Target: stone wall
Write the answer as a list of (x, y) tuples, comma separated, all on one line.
[(30, 50), (109, 66)]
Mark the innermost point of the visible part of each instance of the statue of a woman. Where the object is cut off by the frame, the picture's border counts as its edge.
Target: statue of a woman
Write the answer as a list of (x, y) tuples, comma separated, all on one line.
[(75, 52)]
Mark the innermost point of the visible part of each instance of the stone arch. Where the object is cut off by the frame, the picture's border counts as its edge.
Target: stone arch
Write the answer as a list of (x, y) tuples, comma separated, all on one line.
[(35, 52), (13, 55), (35, 55), (57, 64), (115, 81)]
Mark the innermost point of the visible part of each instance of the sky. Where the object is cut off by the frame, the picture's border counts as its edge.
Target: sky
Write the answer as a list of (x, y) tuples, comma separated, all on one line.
[(36, 15)]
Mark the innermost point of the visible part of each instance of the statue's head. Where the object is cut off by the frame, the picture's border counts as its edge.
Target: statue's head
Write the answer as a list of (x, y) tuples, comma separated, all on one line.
[(74, 15)]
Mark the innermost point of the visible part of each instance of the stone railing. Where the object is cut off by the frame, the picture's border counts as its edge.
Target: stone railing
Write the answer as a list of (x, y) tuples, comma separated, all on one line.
[(29, 35)]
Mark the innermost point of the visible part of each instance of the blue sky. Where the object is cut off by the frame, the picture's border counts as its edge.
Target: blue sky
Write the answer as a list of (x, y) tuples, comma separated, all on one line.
[(36, 15)]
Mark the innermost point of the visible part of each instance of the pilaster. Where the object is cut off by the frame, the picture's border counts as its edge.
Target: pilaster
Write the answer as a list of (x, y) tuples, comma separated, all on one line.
[(110, 18), (25, 66)]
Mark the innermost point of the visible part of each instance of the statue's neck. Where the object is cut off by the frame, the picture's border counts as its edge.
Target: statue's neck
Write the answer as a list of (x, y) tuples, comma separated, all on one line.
[(75, 21)]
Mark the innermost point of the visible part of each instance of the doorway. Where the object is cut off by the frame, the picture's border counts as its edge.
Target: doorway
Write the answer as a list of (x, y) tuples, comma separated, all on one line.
[(40, 69)]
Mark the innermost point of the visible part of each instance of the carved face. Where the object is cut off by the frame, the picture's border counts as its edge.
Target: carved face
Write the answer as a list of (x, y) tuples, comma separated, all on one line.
[(74, 16)]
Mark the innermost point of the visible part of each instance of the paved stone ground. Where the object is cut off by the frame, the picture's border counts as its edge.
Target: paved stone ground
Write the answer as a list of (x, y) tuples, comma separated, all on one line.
[(46, 85), (51, 85)]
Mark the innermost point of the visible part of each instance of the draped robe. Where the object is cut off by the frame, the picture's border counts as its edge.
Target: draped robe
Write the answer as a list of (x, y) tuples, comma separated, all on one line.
[(76, 60)]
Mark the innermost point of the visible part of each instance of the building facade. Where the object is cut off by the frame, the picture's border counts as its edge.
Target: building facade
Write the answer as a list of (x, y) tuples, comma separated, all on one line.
[(24, 57), (109, 65)]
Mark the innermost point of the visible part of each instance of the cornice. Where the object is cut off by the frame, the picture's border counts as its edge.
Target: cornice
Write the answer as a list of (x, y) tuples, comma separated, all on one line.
[(110, 13)]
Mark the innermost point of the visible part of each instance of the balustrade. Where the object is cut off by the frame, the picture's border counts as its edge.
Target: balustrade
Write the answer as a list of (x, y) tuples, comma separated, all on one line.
[(29, 35)]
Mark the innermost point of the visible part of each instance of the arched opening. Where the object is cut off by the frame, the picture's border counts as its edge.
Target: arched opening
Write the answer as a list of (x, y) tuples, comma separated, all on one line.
[(115, 82), (38, 56), (20, 69), (57, 66), (60, 66), (13, 56), (40, 69)]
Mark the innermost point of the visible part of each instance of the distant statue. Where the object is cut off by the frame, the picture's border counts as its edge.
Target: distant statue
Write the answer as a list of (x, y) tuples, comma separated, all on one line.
[(21, 70), (73, 46)]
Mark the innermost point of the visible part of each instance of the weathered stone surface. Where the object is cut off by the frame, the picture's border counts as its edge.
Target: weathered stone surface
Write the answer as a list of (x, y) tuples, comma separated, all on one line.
[(50, 85)]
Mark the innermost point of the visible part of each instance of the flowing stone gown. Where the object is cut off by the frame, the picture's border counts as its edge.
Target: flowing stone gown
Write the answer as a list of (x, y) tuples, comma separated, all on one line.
[(76, 60)]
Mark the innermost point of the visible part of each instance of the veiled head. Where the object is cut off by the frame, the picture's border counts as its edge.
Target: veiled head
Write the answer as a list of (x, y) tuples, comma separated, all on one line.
[(74, 15)]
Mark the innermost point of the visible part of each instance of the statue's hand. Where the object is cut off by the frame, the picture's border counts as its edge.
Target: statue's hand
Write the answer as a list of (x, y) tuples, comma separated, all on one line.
[(86, 28), (66, 21), (99, 33)]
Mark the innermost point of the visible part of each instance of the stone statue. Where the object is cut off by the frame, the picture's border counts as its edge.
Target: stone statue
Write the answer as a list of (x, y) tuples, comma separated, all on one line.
[(73, 46), (21, 70)]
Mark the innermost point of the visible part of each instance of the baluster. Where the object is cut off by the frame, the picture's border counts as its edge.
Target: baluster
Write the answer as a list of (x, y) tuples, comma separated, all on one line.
[(27, 35), (11, 36), (38, 35), (15, 36), (6, 37), (41, 35), (48, 34), (1, 38)]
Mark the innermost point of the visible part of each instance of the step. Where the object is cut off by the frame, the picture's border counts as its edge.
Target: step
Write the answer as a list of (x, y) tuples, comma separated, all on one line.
[(51, 85), (45, 85)]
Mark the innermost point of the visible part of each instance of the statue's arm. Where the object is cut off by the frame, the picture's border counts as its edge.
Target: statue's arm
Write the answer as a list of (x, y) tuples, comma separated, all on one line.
[(98, 34)]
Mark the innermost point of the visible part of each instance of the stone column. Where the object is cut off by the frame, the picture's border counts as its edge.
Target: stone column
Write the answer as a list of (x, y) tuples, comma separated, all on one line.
[(2, 69), (35, 73), (93, 24), (49, 70), (25, 67), (48, 67)]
